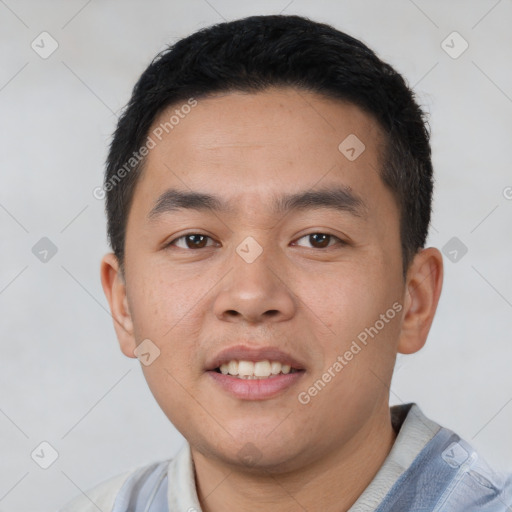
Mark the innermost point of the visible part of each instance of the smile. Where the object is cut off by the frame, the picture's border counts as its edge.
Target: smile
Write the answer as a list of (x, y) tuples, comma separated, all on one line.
[(260, 380), (255, 369)]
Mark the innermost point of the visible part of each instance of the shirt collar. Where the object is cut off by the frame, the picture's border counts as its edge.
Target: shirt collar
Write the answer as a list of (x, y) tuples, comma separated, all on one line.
[(414, 429)]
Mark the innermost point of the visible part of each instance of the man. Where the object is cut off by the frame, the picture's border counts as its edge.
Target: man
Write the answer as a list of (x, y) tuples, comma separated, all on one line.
[(269, 193)]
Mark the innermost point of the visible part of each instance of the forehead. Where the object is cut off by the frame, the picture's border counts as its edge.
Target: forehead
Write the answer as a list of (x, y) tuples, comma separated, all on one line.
[(246, 146)]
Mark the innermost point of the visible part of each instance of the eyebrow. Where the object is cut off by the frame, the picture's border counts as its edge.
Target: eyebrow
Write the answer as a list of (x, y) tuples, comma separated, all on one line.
[(339, 198)]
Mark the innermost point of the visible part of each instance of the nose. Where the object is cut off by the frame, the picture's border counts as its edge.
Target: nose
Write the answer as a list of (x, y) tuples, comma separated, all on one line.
[(256, 291)]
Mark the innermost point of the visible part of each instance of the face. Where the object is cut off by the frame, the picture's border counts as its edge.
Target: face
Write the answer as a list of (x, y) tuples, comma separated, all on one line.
[(296, 258)]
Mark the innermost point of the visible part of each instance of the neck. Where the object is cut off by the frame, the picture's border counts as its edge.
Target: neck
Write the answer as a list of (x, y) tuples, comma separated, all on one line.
[(331, 483)]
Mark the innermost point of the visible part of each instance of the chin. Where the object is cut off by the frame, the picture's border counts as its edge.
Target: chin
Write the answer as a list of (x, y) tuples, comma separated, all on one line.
[(263, 456)]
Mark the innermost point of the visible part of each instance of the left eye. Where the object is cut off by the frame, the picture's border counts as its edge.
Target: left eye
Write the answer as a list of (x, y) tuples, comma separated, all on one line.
[(321, 240), (192, 241)]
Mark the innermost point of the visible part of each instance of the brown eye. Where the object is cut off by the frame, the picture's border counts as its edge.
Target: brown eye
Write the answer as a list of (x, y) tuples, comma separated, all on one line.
[(191, 241), (321, 240)]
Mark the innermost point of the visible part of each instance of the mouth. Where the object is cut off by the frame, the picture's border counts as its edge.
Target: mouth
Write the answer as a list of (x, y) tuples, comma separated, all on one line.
[(255, 370), (254, 374)]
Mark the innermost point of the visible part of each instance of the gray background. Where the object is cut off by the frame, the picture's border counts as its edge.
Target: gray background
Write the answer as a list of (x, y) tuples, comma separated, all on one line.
[(63, 379)]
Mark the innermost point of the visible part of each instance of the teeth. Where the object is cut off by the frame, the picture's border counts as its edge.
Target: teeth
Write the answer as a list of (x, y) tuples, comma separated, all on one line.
[(245, 368), (276, 367), (262, 369), (255, 370), (233, 367)]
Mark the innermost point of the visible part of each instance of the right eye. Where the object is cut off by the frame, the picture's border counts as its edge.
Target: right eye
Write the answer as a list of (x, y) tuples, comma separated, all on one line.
[(190, 241)]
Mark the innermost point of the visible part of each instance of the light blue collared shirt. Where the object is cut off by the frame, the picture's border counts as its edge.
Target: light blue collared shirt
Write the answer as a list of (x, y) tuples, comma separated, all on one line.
[(429, 469)]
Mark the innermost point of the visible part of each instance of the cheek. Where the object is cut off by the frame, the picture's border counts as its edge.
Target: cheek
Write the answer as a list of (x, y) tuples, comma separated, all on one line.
[(167, 319), (356, 305), (347, 300), (168, 382), (162, 301)]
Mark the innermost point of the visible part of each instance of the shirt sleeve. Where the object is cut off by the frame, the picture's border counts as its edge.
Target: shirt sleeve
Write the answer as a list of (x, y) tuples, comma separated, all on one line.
[(101, 497)]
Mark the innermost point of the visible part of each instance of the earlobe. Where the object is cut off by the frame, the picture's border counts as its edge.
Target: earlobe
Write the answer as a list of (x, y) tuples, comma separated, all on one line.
[(115, 290), (423, 289)]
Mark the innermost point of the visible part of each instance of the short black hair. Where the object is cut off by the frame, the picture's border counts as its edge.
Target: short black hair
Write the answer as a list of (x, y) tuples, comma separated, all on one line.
[(259, 52)]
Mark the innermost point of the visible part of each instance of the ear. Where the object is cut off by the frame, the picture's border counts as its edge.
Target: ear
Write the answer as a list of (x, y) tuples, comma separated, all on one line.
[(423, 289), (114, 288)]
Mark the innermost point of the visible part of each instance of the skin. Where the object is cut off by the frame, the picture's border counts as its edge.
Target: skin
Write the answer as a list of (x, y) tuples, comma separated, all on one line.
[(306, 299)]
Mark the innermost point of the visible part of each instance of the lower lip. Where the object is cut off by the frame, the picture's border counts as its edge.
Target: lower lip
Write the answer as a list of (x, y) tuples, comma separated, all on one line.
[(255, 389)]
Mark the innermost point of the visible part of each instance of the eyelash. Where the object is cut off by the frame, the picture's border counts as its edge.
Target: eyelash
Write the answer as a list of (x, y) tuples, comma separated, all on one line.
[(340, 241)]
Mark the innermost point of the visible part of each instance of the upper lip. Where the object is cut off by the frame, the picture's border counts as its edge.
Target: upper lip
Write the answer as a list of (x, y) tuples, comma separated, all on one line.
[(245, 353)]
